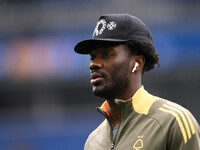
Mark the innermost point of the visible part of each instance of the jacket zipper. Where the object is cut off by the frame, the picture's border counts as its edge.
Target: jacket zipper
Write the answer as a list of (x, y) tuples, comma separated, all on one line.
[(113, 140)]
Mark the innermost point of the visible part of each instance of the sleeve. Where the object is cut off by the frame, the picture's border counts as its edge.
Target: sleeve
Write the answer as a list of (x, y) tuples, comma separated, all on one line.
[(86, 145), (185, 132)]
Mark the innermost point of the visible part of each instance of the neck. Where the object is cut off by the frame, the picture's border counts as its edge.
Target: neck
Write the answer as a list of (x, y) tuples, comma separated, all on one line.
[(114, 109)]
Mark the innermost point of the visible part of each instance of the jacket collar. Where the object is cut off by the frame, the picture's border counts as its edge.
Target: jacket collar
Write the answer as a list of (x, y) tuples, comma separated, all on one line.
[(140, 102)]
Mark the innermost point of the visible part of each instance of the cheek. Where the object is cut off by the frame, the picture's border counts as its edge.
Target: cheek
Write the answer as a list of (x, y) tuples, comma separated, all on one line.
[(119, 69), (117, 65)]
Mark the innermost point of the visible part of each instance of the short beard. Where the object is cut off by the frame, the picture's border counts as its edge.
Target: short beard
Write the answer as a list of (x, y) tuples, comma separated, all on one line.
[(118, 84)]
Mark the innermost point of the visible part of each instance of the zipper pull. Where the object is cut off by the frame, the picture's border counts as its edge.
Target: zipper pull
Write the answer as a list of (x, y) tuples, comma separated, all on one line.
[(112, 146)]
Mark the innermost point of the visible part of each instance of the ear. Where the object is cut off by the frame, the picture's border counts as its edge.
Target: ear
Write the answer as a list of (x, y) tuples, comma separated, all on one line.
[(138, 63), (141, 61)]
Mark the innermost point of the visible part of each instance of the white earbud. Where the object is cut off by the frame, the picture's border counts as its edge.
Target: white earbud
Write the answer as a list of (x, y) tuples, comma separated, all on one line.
[(136, 64)]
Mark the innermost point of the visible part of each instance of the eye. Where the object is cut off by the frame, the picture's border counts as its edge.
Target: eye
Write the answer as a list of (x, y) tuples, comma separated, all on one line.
[(107, 55)]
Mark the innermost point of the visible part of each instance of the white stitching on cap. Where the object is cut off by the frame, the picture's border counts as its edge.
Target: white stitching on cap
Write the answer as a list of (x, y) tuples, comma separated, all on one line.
[(100, 31), (111, 25)]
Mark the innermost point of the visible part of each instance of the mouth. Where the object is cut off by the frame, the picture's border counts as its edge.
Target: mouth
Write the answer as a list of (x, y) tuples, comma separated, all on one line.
[(96, 78)]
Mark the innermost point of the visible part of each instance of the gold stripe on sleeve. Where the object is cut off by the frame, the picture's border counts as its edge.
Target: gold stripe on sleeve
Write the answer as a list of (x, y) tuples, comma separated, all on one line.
[(178, 120), (189, 120), (183, 117)]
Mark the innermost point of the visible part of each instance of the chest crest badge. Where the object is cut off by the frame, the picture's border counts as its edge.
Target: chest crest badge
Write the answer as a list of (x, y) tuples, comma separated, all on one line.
[(139, 143)]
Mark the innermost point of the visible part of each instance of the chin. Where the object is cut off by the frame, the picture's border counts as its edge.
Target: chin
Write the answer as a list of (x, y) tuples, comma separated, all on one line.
[(103, 92), (98, 91)]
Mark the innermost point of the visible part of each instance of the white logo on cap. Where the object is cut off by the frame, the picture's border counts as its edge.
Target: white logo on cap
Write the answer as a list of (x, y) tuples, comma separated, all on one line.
[(98, 31), (111, 25)]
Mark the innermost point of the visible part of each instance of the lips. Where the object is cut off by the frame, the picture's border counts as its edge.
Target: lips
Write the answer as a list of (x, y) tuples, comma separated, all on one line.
[(96, 78)]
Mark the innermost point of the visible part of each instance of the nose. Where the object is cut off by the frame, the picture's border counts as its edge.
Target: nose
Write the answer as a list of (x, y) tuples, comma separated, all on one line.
[(95, 64)]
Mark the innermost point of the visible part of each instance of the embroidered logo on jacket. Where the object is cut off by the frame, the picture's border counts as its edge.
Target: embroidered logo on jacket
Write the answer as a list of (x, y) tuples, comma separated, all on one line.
[(139, 143)]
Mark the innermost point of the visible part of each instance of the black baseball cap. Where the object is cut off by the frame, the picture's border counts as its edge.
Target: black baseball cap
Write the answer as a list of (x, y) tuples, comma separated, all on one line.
[(115, 28)]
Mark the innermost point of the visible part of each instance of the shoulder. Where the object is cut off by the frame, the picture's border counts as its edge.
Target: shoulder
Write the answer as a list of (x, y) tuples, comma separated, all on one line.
[(177, 123), (97, 130), (96, 134), (165, 111)]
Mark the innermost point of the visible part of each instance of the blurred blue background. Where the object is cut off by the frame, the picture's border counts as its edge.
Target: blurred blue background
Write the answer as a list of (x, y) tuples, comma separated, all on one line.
[(46, 101)]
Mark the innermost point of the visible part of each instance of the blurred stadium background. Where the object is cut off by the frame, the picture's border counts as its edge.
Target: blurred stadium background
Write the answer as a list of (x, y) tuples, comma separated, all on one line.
[(46, 101)]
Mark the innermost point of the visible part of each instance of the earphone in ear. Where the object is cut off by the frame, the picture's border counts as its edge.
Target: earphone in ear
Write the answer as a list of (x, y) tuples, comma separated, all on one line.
[(136, 64)]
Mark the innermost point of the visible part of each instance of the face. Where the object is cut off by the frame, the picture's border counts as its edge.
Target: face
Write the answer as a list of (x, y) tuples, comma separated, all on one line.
[(110, 71)]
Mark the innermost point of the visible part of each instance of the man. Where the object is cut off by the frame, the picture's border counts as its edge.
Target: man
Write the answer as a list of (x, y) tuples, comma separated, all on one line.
[(121, 51)]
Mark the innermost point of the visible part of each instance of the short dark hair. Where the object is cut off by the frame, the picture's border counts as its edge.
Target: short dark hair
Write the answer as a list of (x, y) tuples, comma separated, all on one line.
[(139, 47)]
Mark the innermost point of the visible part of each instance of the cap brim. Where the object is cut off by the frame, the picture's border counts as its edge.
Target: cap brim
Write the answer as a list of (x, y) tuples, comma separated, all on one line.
[(85, 47)]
